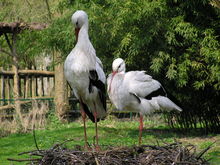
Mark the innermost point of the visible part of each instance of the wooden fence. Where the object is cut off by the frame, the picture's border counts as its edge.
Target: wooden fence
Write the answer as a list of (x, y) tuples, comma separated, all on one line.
[(33, 84), (18, 85), (39, 85)]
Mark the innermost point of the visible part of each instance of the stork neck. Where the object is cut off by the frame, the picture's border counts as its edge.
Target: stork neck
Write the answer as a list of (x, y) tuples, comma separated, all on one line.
[(83, 33), (86, 47), (113, 74)]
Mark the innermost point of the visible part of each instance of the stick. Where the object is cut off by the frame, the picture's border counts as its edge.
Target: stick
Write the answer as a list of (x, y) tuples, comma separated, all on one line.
[(204, 151), (23, 160), (35, 141)]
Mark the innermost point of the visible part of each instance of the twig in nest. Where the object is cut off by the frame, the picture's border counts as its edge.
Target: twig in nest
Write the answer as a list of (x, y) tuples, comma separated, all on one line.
[(24, 160), (96, 159), (174, 153)]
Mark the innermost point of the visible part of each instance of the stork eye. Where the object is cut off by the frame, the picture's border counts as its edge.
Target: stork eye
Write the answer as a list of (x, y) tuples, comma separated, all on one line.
[(77, 23), (119, 66)]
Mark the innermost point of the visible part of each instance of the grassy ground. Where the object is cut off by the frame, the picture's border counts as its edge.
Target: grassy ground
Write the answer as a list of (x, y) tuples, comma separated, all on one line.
[(111, 132)]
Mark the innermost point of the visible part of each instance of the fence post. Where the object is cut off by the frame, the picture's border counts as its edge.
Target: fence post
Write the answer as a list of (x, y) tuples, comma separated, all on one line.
[(61, 93), (33, 84), (7, 88), (2, 88), (26, 86)]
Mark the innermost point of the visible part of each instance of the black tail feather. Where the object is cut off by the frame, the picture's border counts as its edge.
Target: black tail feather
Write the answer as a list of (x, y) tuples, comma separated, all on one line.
[(89, 113), (159, 92)]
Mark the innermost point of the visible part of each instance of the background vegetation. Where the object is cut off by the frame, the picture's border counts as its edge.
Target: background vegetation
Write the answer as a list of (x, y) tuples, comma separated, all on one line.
[(176, 41)]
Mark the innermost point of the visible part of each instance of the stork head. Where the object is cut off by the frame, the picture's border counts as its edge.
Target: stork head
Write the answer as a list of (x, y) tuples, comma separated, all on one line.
[(79, 18), (118, 65)]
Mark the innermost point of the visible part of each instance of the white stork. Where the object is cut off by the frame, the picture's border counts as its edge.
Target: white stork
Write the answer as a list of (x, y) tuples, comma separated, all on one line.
[(136, 91), (84, 72)]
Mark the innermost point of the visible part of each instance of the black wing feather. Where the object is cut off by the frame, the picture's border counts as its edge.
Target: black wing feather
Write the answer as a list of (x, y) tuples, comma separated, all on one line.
[(159, 92), (138, 99), (94, 81)]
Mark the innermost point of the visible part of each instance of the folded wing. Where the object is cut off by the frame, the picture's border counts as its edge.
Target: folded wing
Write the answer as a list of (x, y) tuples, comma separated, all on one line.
[(143, 85)]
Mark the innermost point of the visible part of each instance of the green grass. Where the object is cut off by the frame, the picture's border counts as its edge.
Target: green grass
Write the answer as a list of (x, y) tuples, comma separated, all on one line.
[(112, 132)]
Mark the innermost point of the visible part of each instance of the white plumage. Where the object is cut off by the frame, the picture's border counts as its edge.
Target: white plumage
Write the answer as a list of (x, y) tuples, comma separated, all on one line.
[(83, 71), (136, 91)]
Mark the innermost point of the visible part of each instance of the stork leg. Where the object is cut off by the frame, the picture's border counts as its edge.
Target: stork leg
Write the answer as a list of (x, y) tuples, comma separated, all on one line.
[(96, 129), (84, 126), (140, 129)]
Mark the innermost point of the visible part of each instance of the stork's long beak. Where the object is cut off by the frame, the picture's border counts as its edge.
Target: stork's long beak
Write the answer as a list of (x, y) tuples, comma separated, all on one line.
[(77, 33), (113, 74)]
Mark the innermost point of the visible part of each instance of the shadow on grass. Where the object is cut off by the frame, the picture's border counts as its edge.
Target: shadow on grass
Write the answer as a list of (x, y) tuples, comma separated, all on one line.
[(174, 133), (162, 132)]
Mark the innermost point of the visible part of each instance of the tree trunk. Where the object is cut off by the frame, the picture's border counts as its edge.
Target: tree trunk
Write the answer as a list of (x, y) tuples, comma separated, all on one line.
[(16, 79), (16, 91), (61, 92)]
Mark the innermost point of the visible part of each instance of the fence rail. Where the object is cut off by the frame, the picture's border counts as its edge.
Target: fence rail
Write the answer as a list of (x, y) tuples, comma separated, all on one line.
[(24, 73), (32, 84)]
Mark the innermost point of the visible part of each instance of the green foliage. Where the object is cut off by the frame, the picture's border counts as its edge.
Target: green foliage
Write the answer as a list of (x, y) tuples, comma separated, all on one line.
[(29, 45), (53, 121), (176, 41), (59, 36)]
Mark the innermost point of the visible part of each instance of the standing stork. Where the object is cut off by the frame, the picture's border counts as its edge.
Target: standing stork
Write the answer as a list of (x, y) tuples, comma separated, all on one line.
[(136, 91), (84, 72)]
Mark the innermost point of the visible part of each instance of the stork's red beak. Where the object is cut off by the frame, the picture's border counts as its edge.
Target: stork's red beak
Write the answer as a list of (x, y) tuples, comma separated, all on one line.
[(77, 33), (113, 74)]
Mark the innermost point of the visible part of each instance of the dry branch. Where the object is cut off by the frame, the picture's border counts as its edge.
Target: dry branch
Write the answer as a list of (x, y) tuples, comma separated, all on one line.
[(12, 105), (16, 27), (7, 107), (174, 153)]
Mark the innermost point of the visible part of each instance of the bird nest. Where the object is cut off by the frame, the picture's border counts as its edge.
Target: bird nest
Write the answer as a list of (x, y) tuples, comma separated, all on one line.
[(167, 154)]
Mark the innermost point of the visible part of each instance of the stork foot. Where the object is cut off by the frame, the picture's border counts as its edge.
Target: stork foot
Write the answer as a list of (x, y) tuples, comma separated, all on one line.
[(95, 144), (87, 147), (97, 148)]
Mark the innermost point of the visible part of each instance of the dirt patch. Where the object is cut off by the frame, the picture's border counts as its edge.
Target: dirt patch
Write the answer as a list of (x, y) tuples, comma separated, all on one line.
[(167, 154)]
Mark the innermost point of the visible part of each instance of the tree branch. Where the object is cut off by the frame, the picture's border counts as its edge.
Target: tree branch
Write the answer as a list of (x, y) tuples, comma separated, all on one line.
[(29, 3), (6, 52), (35, 141), (8, 41), (48, 9)]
